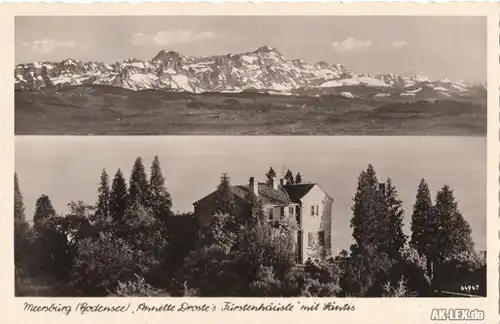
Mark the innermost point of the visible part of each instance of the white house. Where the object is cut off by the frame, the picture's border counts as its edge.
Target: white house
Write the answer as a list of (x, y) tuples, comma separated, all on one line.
[(310, 205)]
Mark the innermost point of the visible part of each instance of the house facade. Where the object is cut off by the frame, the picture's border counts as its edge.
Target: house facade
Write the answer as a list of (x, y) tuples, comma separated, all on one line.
[(307, 203)]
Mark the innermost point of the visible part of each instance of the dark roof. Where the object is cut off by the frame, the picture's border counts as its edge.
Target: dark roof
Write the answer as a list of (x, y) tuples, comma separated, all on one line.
[(297, 191), (267, 194)]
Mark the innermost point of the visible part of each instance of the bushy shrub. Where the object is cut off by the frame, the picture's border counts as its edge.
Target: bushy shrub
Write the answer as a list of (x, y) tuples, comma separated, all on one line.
[(136, 288)]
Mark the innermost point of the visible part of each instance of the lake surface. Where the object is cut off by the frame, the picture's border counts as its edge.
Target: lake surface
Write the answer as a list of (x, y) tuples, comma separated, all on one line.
[(68, 168)]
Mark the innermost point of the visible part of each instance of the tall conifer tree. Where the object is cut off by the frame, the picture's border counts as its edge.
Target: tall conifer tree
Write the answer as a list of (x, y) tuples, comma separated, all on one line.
[(138, 185), (103, 201), (395, 238), (422, 221), (19, 214), (160, 200), (289, 177), (118, 197), (453, 232), (43, 209), (270, 175)]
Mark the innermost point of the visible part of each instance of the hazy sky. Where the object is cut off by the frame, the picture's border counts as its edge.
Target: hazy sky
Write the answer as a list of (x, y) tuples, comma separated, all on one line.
[(453, 47), (68, 168)]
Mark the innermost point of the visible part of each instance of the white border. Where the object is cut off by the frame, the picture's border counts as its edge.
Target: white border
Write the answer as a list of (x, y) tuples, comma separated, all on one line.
[(378, 310)]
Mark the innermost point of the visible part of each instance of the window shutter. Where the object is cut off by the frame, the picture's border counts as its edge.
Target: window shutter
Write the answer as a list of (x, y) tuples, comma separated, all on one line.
[(310, 239), (321, 238)]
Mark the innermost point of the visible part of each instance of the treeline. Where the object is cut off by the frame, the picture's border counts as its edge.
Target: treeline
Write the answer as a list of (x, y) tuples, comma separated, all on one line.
[(439, 254), (130, 243)]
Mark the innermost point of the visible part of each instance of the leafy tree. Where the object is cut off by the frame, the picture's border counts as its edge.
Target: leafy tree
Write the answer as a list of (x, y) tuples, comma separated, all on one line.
[(43, 209), (219, 231), (298, 178), (394, 239), (138, 185), (118, 197), (19, 214), (161, 203), (253, 211), (224, 199), (453, 232), (422, 222), (270, 175), (103, 200), (289, 177)]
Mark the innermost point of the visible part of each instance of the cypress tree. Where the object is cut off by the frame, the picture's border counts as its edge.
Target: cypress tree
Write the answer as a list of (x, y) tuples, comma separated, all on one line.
[(19, 214), (395, 239), (138, 185), (366, 210), (453, 233), (103, 201), (422, 221), (270, 175), (289, 177), (160, 200), (118, 198), (224, 199), (43, 209), (298, 178)]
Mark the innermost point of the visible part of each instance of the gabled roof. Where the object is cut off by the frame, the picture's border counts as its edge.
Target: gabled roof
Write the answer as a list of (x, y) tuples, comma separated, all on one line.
[(289, 194), (297, 191), (267, 194)]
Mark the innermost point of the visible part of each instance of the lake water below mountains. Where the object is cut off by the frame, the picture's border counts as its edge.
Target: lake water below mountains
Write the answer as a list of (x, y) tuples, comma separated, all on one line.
[(68, 168)]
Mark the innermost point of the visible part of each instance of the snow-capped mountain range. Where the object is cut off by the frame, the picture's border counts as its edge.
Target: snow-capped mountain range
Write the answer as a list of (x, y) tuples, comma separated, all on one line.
[(263, 70)]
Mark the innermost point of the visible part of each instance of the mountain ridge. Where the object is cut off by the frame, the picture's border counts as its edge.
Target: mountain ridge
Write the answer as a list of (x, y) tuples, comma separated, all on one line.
[(262, 70)]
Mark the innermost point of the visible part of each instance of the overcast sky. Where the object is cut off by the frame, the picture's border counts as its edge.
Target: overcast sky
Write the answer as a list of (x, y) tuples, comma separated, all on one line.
[(67, 168), (438, 47)]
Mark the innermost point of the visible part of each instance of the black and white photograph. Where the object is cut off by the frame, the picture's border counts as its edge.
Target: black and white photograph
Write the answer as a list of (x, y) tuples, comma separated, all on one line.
[(251, 217), (265, 75), (250, 156)]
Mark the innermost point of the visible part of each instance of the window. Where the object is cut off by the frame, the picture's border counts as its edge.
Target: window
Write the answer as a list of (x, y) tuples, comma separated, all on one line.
[(282, 211), (312, 210), (310, 239), (271, 214), (290, 210), (317, 210), (321, 238)]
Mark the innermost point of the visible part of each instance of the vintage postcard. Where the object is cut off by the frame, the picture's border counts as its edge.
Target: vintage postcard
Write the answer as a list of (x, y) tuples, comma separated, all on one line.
[(250, 162)]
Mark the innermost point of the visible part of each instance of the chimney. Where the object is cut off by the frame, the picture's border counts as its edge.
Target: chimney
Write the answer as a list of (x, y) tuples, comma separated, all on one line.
[(254, 185), (274, 182), (381, 188)]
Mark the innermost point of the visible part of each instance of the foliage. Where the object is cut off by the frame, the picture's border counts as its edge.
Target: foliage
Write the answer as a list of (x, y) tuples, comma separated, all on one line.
[(19, 214), (138, 185), (103, 200), (298, 178), (289, 179), (394, 239), (118, 197), (400, 290), (43, 209), (160, 200), (136, 288), (270, 175), (422, 221), (453, 233), (224, 198)]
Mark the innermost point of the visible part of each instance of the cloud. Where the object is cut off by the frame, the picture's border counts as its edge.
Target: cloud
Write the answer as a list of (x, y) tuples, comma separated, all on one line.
[(351, 44), (170, 37), (47, 46), (399, 43)]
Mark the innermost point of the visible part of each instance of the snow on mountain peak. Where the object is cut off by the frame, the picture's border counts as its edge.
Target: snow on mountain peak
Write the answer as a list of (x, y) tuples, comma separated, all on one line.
[(264, 69)]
